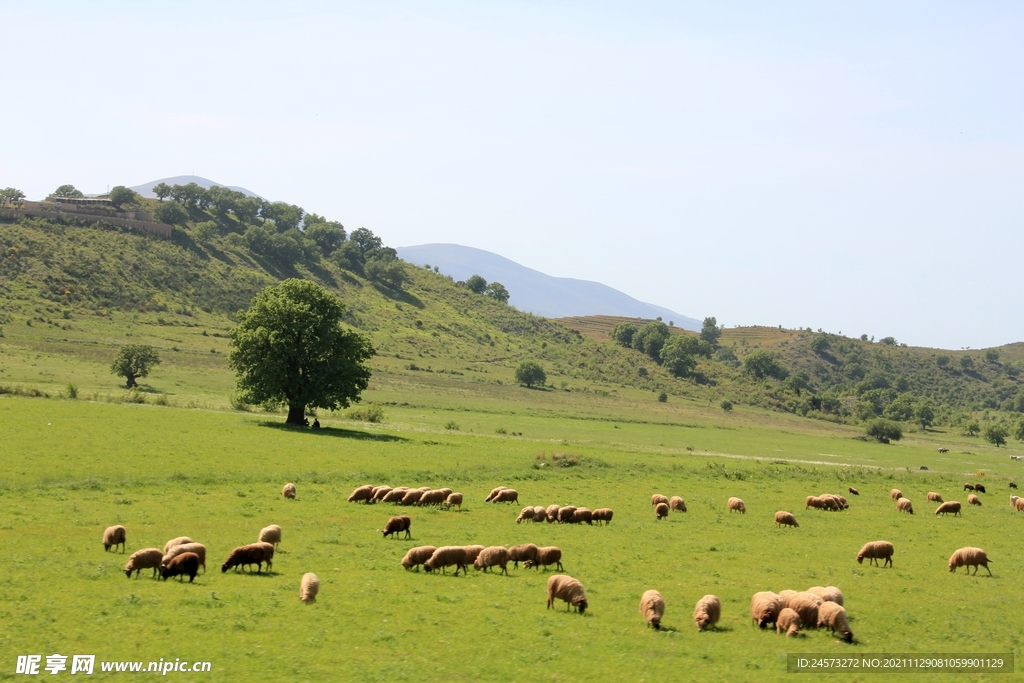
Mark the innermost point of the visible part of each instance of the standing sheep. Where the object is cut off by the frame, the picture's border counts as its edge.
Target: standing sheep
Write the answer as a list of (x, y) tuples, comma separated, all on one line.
[(186, 563), (180, 540), (552, 513), (853, 491), (661, 510), (198, 548), (904, 505), (875, 551), (397, 525), (678, 504), (454, 499), (765, 607), (472, 552), (540, 514), (789, 621), (148, 558), (525, 514), (494, 493), (652, 607), (417, 556), (565, 514), (806, 604), (951, 506), (1018, 504), (569, 589), (783, 518), (524, 553), (968, 487), (814, 502), (433, 497), (707, 612), (494, 556), (546, 556), (271, 534), (114, 535), (827, 594), (969, 557), (395, 495), (288, 491), (379, 492), (506, 496), (737, 505), (602, 515), (658, 498), (411, 497), (445, 557), (833, 617), (934, 497), (583, 516), (309, 587), (363, 493), (246, 555), (973, 499), (980, 488), (895, 494)]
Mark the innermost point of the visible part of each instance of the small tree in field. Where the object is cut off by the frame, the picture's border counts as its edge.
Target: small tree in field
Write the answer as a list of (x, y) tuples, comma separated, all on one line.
[(530, 373), (727, 405), (884, 431), (996, 435), (134, 361)]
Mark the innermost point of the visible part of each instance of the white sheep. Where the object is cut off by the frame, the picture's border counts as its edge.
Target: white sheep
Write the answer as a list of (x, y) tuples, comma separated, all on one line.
[(652, 607), (765, 607), (309, 587), (969, 557), (288, 491), (789, 621), (494, 556), (875, 551), (270, 534), (417, 556), (147, 558), (568, 589), (180, 540), (833, 617), (114, 535), (707, 612), (783, 518), (737, 505)]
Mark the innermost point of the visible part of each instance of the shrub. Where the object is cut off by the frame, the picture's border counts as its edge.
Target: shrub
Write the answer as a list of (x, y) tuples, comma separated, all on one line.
[(884, 431), (238, 404), (662, 397), (370, 413), (530, 373), (451, 425), (727, 406), (72, 391)]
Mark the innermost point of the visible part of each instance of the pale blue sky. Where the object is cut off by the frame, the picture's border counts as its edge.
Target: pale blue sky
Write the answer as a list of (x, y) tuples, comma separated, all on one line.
[(854, 167)]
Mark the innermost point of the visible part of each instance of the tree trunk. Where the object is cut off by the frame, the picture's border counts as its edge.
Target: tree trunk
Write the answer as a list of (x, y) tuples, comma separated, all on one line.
[(296, 414), (131, 382)]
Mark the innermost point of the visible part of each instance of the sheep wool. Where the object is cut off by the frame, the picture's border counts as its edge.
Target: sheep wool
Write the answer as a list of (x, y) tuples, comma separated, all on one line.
[(309, 587), (658, 498), (833, 617), (934, 497), (969, 557), (417, 556), (395, 495), (786, 596), (1019, 504), (602, 515), (494, 493), (198, 548), (445, 557), (522, 553), (904, 505), (525, 514), (827, 594), (114, 535), (783, 518), (562, 587), (875, 551), (737, 505), (948, 507), (147, 558), (433, 497), (789, 621), (661, 510), (270, 534), (895, 494), (552, 512), (566, 513), (186, 563), (397, 525), (973, 500), (380, 492), (540, 514), (411, 497), (247, 555), (678, 504), (814, 502), (454, 499), (494, 556), (546, 556), (288, 491), (652, 607), (472, 552), (180, 540), (507, 496), (363, 493), (445, 492), (765, 607), (806, 604), (582, 516), (707, 612)]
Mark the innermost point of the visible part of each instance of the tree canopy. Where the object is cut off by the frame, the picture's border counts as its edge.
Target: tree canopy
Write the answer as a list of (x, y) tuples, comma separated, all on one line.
[(710, 331), (121, 195), (12, 195), (530, 373), (290, 348), (996, 434), (69, 191), (650, 338), (884, 430), (622, 334), (134, 361), (680, 352), (761, 364)]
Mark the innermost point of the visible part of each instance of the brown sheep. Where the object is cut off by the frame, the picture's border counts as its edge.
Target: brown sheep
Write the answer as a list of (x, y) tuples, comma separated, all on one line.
[(417, 556), (432, 497), (678, 504), (494, 556), (895, 494), (569, 589), (552, 512), (652, 607), (602, 515), (546, 556), (180, 540), (827, 594), (661, 510), (789, 621), (853, 491), (980, 488), (707, 612), (842, 501), (969, 557), (952, 506), (566, 513), (396, 525), (968, 487), (114, 536), (658, 498), (525, 514), (806, 604), (737, 505), (198, 548), (147, 558), (445, 557), (904, 505), (830, 502), (973, 499), (783, 518), (524, 552), (379, 492), (583, 516), (288, 491), (1013, 485), (506, 496), (472, 552), (875, 551), (814, 502), (494, 493), (246, 555), (765, 607), (540, 513), (934, 497), (395, 495), (454, 499), (1019, 504), (363, 493), (186, 563), (833, 617), (412, 497)]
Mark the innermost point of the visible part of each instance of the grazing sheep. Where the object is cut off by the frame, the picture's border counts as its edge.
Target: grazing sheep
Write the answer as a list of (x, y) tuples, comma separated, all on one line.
[(853, 491), (198, 548), (980, 488), (602, 515), (288, 491), (114, 535), (411, 497), (814, 502), (539, 513), (875, 551), (788, 621), (364, 493), (652, 607), (783, 518), (378, 492), (445, 492), (973, 499), (737, 504), (706, 612), (833, 617), (806, 604), (583, 516), (147, 558), (417, 556), (472, 552), (969, 557), (565, 514), (552, 512), (506, 496), (445, 557), (546, 556), (678, 504), (423, 489), (786, 596), (661, 510), (943, 450), (842, 501), (827, 594), (454, 499), (1013, 485), (246, 555), (569, 589), (271, 534), (934, 497), (765, 607), (180, 540), (904, 505), (658, 498), (523, 552), (525, 514), (952, 506), (895, 494), (494, 556), (395, 495), (494, 493), (309, 587), (433, 497), (396, 525), (832, 502), (1019, 504), (968, 487), (186, 563)]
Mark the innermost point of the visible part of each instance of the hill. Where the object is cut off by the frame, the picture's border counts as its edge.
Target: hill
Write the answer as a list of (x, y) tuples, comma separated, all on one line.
[(536, 292), (146, 189)]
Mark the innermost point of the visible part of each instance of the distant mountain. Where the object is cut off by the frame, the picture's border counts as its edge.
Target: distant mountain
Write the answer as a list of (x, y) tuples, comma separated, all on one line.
[(146, 189), (535, 292)]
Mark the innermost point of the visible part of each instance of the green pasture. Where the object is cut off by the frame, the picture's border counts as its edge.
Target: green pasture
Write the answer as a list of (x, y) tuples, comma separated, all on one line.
[(69, 468)]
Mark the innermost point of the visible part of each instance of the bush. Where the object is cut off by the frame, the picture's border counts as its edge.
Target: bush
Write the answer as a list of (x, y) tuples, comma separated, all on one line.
[(662, 397), (370, 413), (530, 373), (72, 391), (206, 231), (727, 406), (452, 425), (884, 431)]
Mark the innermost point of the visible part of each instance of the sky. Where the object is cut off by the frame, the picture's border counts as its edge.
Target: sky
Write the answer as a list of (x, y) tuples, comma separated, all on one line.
[(855, 167)]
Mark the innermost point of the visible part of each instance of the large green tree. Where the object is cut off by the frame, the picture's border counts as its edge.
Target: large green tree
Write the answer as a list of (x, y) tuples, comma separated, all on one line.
[(650, 338), (996, 434), (69, 191), (760, 364), (497, 291), (12, 195), (134, 361), (623, 333), (680, 352), (530, 372), (289, 347), (162, 191), (121, 195), (710, 331), (476, 284)]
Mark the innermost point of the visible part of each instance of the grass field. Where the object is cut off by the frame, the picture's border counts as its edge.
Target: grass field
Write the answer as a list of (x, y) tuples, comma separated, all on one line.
[(71, 468)]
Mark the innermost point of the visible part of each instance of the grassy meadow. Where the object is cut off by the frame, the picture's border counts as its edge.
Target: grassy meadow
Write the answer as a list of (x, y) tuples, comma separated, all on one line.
[(71, 468)]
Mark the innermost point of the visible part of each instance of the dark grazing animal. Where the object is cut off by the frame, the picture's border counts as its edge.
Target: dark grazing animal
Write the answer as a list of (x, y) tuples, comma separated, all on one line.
[(186, 563), (397, 525)]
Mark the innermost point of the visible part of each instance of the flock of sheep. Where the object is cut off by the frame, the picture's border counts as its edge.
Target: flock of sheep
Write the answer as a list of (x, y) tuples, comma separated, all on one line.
[(564, 514)]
